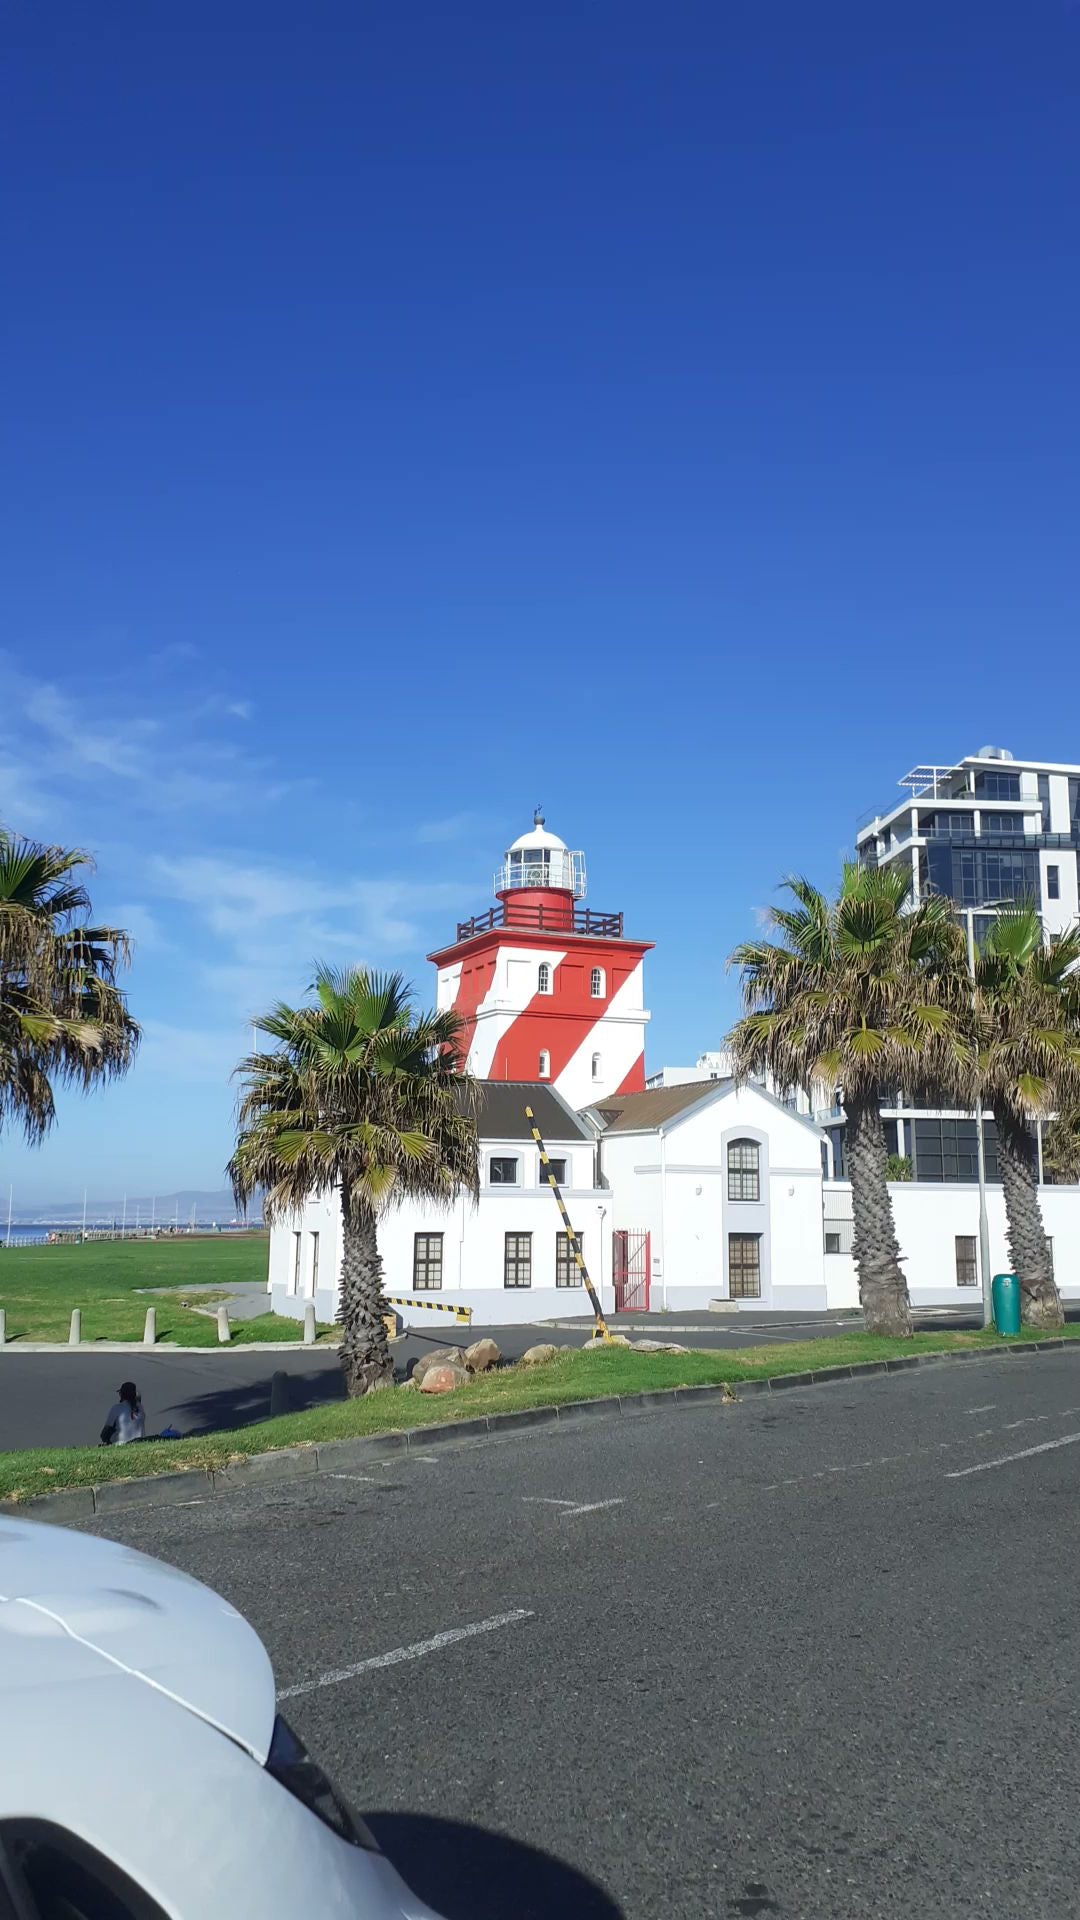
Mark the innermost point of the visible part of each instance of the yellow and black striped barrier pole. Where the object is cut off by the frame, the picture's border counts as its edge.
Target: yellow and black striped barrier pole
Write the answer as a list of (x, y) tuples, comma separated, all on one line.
[(575, 1243), (429, 1306)]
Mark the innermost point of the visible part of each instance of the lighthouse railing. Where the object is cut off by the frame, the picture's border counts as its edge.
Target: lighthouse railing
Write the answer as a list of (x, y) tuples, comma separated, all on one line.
[(553, 919)]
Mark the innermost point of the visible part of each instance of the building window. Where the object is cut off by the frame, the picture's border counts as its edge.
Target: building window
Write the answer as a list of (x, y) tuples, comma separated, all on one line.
[(558, 1168), (949, 1149), (743, 1170), (545, 1065), (427, 1262), (297, 1261), (1003, 823), (503, 1170), (967, 1269), (744, 1266), (314, 1261), (567, 1271), (997, 786), (596, 983), (1053, 883), (977, 875), (517, 1260), (832, 1243), (596, 1066), (543, 977)]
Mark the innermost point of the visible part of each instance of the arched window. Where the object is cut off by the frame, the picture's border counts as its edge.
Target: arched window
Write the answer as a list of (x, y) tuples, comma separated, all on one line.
[(545, 1065), (596, 983), (596, 1066), (543, 977), (743, 1170)]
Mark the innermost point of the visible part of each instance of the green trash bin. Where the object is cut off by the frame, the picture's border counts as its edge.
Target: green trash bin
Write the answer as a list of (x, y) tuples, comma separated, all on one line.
[(1005, 1294)]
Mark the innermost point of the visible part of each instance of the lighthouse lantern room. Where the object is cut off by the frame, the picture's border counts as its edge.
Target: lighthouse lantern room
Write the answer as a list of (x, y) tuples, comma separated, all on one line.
[(547, 988)]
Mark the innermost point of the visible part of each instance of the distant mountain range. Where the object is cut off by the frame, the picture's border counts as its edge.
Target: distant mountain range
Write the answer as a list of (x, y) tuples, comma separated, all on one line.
[(217, 1205)]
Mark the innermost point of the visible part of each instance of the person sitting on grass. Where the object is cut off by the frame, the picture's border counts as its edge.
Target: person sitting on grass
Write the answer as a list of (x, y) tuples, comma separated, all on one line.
[(126, 1420)]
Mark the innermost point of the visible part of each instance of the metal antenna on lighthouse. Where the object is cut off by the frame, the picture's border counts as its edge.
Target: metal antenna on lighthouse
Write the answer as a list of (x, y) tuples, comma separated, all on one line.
[(538, 814)]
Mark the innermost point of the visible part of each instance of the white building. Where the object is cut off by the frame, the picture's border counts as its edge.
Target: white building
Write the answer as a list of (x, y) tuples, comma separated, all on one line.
[(986, 831), (686, 1189)]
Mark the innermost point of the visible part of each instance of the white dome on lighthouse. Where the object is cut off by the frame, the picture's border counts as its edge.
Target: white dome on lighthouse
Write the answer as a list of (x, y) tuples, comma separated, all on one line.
[(540, 859)]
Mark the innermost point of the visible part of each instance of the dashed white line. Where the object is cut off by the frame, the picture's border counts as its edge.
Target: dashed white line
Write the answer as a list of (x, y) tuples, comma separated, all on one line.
[(538, 1500), (984, 1466), (989, 1408), (415, 1652), (593, 1506)]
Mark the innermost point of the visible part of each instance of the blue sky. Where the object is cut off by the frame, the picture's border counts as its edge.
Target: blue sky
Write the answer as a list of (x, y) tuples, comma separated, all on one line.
[(667, 412)]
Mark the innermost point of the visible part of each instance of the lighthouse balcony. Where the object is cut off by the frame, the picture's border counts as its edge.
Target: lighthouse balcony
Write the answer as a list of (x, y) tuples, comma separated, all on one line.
[(559, 917), (550, 865)]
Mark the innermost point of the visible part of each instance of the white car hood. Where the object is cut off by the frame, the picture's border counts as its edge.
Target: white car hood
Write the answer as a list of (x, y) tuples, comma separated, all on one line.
[(74, 1606)]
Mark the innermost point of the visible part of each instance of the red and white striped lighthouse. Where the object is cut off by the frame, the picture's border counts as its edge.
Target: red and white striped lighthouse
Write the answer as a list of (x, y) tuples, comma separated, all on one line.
[(548, 989)]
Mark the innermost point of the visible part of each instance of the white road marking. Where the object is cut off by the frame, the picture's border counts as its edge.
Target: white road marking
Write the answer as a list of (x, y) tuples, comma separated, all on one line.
[(416, 1652), (593, 1506), (984, 1466), (538, 1500), (367, 1478), (989, 1408)]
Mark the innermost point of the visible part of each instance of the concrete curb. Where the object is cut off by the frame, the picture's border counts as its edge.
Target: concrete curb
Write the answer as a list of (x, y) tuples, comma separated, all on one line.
[(336, 1456), (14, 1345)]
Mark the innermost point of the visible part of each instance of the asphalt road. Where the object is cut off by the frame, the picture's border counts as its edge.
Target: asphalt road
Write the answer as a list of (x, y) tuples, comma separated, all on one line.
[(61, 1399), (811, 1656)]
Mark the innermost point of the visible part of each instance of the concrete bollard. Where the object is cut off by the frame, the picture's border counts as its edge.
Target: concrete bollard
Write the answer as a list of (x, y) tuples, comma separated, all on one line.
[(3, 1326), (279, 1394), (149, 1332), (224, 1331), (75, 1330), (309, 1324)]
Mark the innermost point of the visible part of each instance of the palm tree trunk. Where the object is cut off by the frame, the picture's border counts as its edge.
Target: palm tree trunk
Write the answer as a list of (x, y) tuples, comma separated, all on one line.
[(365, 1353), (882, 1287), (1040, 1303)]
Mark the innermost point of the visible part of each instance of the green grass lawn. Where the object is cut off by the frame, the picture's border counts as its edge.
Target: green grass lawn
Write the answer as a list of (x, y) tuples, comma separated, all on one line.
[(569, 1377), (39, 1286)]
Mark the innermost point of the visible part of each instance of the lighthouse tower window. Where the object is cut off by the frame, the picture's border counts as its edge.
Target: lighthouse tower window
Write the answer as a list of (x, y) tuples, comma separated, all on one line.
[(596, 983), (543, 977), (596, 1066), (544, 1071)]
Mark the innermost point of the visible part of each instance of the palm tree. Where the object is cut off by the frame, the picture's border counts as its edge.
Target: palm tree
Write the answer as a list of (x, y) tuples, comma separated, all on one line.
[(1028, 1065), (364, 1096), (63, 1019), (867, 992)]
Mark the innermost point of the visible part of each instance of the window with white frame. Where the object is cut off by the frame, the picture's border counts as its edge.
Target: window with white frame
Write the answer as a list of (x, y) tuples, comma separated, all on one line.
[(544, 1068), (967, 1271), (596, 983), (517, 1260), (743, 1170), (558, 1168), (314, 1261), (543, 977), (427, 1262), (597, 1066), (297, 1261), (503, 1170), (744, 1266), (567, 1271)]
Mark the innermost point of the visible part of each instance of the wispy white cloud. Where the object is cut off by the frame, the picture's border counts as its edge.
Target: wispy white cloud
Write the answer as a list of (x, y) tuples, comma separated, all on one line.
[(204, 1055), (271, 924)]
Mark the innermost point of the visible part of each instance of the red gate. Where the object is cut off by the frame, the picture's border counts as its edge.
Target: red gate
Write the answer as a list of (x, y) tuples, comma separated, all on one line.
[(631, 1262)]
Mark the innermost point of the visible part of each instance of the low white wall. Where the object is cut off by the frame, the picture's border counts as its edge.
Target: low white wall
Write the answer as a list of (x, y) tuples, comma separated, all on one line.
[(928, 1219)]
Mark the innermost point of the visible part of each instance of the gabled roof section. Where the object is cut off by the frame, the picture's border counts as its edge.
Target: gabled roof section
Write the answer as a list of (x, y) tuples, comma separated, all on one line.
[(641, 1112), (500, 1112), (660, 1106)]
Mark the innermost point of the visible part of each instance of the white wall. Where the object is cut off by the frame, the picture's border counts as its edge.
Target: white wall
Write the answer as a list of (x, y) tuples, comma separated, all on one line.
[(928, 1218), (473, 1245)]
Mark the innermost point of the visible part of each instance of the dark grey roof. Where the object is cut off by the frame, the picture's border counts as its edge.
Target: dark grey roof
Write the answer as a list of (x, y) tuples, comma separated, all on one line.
[(629, 1112), (500, 1114)]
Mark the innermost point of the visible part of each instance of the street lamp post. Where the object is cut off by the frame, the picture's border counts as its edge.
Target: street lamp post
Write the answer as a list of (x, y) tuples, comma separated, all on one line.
[(984, 1223)]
